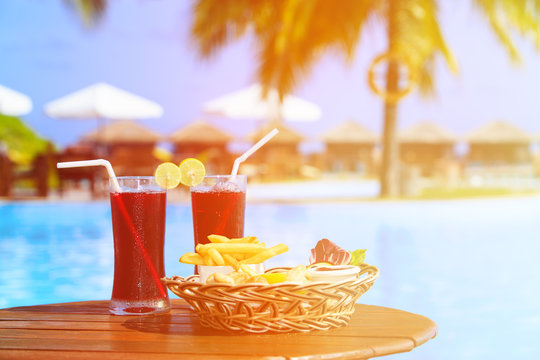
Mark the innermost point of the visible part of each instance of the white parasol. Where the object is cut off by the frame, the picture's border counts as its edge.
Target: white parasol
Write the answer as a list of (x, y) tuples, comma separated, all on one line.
[(103, 101), (249, 103), (13, 103)]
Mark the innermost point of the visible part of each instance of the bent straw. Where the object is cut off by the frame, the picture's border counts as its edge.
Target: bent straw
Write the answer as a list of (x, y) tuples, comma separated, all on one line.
[(97, 162), (250, 152)]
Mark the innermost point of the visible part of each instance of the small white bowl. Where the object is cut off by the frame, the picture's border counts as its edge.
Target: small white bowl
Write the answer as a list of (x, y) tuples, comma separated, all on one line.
[(205, 270), (333, 273)]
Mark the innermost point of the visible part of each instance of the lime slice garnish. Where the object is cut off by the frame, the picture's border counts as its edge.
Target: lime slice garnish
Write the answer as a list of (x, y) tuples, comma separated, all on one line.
[(273, 278), (192, 172), (167, 175)]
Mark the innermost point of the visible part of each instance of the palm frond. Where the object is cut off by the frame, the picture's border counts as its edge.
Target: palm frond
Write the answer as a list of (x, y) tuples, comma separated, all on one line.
[(291, 34), (90, 11), (419, 39), (507, 16), (310, 28)]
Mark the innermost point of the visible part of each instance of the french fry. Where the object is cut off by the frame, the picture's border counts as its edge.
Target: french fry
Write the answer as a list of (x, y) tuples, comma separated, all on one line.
[(246, 240), (266, 254), (216, 257), (248, 270), (235, 252), (230, 260), (208, 260), (198, 249), (218, 238), (192, 258), (218, 278), (225, 240), (224, 248)]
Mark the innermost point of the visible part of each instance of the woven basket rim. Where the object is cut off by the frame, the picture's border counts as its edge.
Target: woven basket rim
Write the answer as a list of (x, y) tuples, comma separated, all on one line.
[(372, 275)]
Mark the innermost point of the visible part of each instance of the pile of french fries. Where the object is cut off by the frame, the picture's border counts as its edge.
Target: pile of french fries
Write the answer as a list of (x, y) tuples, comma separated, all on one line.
[(222, 251)]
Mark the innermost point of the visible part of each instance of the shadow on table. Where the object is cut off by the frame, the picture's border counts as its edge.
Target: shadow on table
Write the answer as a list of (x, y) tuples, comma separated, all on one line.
[(173, 325)]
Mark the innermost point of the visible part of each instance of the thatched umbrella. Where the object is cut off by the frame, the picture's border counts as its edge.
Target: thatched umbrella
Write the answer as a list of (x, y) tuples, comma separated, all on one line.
[(200, 132), (123, 132), (130, 146), (498, 142), (205, 142), (280, 157), (349, 147), (426, 133), (426, 145)]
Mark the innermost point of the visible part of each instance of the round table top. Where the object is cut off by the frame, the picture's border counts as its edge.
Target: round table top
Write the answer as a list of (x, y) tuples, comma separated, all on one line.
[(86, 330)]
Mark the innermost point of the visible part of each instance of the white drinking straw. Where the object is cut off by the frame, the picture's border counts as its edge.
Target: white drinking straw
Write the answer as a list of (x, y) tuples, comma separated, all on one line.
[(250, 152), (97, 162)]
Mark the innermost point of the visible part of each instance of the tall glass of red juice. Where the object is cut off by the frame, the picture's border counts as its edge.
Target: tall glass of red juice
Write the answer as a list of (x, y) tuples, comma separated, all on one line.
[(218, 205), (138, 220)]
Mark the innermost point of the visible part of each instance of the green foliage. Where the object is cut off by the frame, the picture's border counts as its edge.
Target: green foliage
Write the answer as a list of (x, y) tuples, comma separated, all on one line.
[(22, 142), (358, 257)]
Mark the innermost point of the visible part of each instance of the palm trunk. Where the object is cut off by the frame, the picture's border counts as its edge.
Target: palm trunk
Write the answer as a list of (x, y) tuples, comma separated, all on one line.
[(389, 179), (390, 157)]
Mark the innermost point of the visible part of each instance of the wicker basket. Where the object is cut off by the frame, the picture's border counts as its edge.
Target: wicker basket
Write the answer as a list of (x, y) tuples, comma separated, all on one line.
[(258, 308)]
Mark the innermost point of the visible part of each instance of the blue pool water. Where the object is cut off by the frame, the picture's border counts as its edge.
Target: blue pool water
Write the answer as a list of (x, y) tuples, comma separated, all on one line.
[(470, 265)]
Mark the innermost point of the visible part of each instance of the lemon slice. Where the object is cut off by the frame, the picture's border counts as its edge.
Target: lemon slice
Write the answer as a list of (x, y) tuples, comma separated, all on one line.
[(192, 172), (167, 175), (273, 278)]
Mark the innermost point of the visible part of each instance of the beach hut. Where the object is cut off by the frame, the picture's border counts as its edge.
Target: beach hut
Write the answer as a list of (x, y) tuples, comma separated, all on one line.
[(349, 147), (280, 158), (498, 143), (129, 146), (205, 142), (426, 146)]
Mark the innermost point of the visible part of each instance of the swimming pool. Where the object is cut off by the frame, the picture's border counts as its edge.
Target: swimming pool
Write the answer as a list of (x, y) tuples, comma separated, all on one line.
[(470, 265)]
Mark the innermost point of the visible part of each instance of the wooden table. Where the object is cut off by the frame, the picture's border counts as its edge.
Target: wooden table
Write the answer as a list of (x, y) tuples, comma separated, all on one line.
[(85, 330)]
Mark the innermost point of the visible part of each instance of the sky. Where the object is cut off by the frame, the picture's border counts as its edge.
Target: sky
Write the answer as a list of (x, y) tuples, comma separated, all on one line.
[(143, 46)]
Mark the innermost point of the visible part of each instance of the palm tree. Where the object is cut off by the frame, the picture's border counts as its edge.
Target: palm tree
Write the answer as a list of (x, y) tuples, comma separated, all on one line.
[(293, 34), (90, 11)]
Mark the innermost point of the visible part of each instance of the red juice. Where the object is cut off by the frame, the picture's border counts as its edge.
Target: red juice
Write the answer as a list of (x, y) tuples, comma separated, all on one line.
[(138, 220), (217, 212)]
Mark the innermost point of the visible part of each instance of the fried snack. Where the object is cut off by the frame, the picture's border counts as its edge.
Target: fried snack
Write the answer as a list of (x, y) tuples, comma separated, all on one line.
[(248, 270), (234, 248), (218, 238), (218, 278), (297, 275), (208, 260), (192, 258), (223, 239), (230, 260), (216, 257), (240, 277), (246, 239), (222, 251), (236, 278), (266, 254), (258, 280)]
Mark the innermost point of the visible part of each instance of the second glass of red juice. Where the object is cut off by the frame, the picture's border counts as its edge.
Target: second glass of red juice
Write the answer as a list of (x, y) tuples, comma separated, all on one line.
[(138, 219), (218, 205)]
